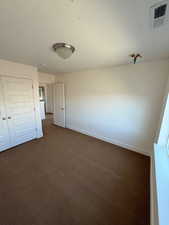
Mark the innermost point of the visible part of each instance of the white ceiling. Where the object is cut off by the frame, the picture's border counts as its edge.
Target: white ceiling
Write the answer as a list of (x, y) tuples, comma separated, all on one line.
[(104, 32)]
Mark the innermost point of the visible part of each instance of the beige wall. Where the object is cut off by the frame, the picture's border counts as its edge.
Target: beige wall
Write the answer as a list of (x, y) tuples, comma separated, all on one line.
[(46, 78), (119, 104), (50, 99), (162, 138), (8, 68)]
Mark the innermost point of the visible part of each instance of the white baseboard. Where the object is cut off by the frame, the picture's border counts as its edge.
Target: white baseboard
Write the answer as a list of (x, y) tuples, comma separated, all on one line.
[(115, 142)]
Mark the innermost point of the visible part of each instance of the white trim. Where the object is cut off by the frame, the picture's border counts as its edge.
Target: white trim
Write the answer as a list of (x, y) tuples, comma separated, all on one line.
[(154, 220), (161, 162), (112, 141)]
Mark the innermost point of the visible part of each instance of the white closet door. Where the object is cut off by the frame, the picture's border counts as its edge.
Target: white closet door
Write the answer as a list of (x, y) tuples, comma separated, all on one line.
[(20, 109), (59, 105), (4, 132)]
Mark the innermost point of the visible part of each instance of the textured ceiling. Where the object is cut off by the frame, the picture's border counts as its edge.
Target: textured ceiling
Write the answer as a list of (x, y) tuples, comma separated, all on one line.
[(104, 32)]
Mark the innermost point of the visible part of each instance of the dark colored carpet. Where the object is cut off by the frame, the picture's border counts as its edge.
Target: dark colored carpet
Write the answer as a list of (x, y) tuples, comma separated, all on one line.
[(67, 178)]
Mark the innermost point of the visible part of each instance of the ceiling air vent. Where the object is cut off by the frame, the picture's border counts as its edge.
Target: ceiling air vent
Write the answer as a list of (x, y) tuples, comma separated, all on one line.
[(159, 14)]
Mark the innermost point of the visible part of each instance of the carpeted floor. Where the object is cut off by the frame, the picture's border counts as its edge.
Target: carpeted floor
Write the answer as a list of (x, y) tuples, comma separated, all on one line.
[(67, 178)]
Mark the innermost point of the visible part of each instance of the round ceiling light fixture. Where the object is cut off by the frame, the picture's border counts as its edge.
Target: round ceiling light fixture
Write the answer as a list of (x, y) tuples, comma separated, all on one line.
[(63, 50)]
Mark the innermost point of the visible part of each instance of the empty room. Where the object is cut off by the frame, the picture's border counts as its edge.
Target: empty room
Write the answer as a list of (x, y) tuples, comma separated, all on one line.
[(84, 112)]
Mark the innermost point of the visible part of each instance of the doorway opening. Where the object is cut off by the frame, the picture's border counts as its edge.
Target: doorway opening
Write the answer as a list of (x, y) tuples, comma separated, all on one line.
[(46, 103)]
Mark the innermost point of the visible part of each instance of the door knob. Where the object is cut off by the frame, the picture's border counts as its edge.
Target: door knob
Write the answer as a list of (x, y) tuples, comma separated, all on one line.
[(9, 117), (3, 118), (62, 108)]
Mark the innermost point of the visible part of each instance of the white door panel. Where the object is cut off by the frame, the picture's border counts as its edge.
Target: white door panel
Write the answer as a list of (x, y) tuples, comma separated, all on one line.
[(20, 109), (4, 132), (59, 105)]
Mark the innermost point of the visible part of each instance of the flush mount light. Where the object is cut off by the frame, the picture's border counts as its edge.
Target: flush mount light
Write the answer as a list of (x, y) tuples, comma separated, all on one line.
[(63, 50)]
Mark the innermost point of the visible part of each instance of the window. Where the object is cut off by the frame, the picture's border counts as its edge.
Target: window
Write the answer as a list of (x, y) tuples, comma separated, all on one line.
[(42, 93)]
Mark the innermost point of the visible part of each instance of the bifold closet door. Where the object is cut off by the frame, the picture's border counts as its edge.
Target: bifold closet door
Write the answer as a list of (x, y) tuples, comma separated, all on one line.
[(4, 132), (20, 109)]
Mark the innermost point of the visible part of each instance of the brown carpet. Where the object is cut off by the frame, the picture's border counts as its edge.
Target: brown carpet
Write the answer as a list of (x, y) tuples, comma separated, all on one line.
[(67, 178)]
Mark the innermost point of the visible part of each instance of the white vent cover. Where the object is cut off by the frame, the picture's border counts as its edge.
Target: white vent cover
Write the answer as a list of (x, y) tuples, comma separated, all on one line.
[(159, 14)]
